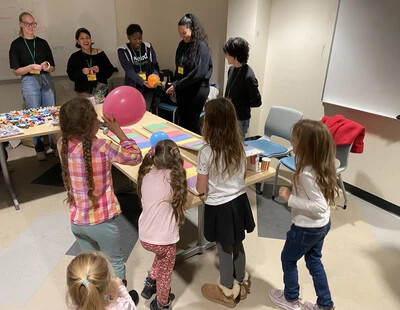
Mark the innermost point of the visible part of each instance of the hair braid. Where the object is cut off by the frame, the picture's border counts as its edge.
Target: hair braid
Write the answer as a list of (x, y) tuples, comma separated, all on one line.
[(87, 157), (64, 166), (179, 187)]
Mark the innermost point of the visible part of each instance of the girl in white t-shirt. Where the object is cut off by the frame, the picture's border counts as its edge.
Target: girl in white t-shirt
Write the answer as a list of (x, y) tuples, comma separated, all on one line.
[(221, 179), (162, 187), (314, 190)]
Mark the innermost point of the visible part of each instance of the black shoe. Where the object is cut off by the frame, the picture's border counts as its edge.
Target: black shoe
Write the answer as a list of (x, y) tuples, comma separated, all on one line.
[(149, 288), (156, 306), (135, 296)]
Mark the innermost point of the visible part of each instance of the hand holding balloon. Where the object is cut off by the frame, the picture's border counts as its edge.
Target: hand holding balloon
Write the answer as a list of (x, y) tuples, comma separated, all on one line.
[(113, 126), (153, 80)]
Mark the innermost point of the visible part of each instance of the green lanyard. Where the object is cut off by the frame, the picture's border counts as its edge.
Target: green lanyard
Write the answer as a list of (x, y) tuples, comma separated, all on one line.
[(228, 91), (34, 49), (90, 62), (140, 57), (183, 57)]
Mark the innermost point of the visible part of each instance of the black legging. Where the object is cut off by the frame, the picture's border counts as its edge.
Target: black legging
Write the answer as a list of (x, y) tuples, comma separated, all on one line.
[(190, 105)]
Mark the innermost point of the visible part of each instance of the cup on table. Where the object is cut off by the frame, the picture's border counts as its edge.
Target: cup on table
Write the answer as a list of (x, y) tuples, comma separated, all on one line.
[(265, 162)]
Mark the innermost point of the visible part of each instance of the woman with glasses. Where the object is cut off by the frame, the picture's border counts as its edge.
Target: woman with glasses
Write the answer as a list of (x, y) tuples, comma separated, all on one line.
[(88, 66), (32, 59)]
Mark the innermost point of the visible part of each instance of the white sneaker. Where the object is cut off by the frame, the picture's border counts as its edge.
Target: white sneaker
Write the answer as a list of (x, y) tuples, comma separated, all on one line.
[(310, 306), (278, 298), (41, 156)]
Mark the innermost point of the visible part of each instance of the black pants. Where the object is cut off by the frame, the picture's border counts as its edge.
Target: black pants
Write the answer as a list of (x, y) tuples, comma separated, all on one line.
[(190, 105)]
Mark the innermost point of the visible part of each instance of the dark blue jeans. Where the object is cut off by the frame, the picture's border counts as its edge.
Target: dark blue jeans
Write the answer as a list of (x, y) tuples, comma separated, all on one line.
[(305, 242)]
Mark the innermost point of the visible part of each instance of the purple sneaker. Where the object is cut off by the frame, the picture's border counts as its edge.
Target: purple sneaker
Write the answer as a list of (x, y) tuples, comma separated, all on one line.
[(310, 306), (278, 298)]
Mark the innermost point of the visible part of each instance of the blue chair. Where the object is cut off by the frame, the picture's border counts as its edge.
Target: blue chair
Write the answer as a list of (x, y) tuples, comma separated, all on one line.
[(279, 123), (342, 154), (169, 108)]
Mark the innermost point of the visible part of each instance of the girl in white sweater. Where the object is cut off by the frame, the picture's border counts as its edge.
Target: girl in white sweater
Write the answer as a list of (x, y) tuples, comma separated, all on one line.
[(314, 190)]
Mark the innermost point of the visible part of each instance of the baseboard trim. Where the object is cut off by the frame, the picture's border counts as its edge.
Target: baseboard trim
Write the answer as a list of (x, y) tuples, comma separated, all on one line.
[(375, 200)]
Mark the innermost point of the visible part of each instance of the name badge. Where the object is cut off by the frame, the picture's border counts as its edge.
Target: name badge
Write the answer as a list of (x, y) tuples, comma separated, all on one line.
[(91, 77), (34, 72), (180, 70), (143, 75)]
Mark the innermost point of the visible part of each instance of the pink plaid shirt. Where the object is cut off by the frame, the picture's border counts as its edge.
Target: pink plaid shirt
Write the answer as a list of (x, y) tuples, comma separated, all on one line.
[(104, 153)]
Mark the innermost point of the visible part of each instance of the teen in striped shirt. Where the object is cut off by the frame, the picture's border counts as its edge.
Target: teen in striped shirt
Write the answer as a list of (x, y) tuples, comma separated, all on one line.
[(86, 169)]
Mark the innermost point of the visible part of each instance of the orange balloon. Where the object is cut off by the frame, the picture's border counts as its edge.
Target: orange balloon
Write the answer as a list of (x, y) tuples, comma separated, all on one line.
[(153, 79)]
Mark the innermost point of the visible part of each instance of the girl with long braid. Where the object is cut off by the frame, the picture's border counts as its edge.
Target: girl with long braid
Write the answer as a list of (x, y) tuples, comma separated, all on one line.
[(162, 187), (86, 171)]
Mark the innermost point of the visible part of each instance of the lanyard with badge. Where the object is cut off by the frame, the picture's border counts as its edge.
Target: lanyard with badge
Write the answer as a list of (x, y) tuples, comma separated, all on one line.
[(32, 55), (228, 88), (91, 76), (180, 67), (141, 73)]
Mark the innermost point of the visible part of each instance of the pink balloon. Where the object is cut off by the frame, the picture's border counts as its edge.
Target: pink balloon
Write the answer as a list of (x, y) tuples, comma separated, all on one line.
[(126, 103)]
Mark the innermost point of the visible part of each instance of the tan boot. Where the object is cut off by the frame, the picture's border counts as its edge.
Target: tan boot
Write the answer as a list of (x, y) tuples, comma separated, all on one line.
[(222, 295), (244, 286)]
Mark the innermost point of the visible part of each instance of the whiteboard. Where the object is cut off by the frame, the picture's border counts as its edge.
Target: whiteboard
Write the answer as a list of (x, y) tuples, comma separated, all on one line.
[(364, 66), (57, 22)]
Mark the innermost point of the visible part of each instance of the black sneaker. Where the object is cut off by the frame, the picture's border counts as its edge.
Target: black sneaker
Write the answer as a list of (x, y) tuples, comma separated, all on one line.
[(135, 296), (156, 306), (149, 288)]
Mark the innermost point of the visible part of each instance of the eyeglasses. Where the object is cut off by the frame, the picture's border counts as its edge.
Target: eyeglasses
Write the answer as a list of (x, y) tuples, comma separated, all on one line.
[(33, 25)]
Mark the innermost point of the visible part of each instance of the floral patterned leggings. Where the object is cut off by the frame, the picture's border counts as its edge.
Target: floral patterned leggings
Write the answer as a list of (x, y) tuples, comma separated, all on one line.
[(162, 268)]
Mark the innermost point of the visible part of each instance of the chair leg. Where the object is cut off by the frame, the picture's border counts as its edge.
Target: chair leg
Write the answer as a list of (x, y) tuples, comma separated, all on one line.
[(343, 190), (173, 116), (275, 180)]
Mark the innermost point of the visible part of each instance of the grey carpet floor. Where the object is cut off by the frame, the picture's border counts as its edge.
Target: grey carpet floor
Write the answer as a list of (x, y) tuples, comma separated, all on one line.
[(273, 218)]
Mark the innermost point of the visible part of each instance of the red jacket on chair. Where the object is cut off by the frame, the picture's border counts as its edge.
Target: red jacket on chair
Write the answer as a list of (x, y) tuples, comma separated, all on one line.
[(345, 131)]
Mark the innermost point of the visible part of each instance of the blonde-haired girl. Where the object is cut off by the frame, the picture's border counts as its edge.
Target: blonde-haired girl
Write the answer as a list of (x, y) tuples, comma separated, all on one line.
[(314, 190), (221, 178), (92, 285)]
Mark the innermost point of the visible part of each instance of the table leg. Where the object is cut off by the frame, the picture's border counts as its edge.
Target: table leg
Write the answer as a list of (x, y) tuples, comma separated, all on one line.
[(6, 175), (202, 243)]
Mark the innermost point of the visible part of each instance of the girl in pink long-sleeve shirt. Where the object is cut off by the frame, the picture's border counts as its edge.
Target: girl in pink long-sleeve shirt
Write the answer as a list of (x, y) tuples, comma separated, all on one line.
[(162, 187), (92, 285)]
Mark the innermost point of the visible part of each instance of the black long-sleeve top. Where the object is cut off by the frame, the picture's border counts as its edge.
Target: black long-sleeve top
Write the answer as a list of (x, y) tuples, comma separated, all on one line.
[(79, 60), (242, 89), (195, 73)]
